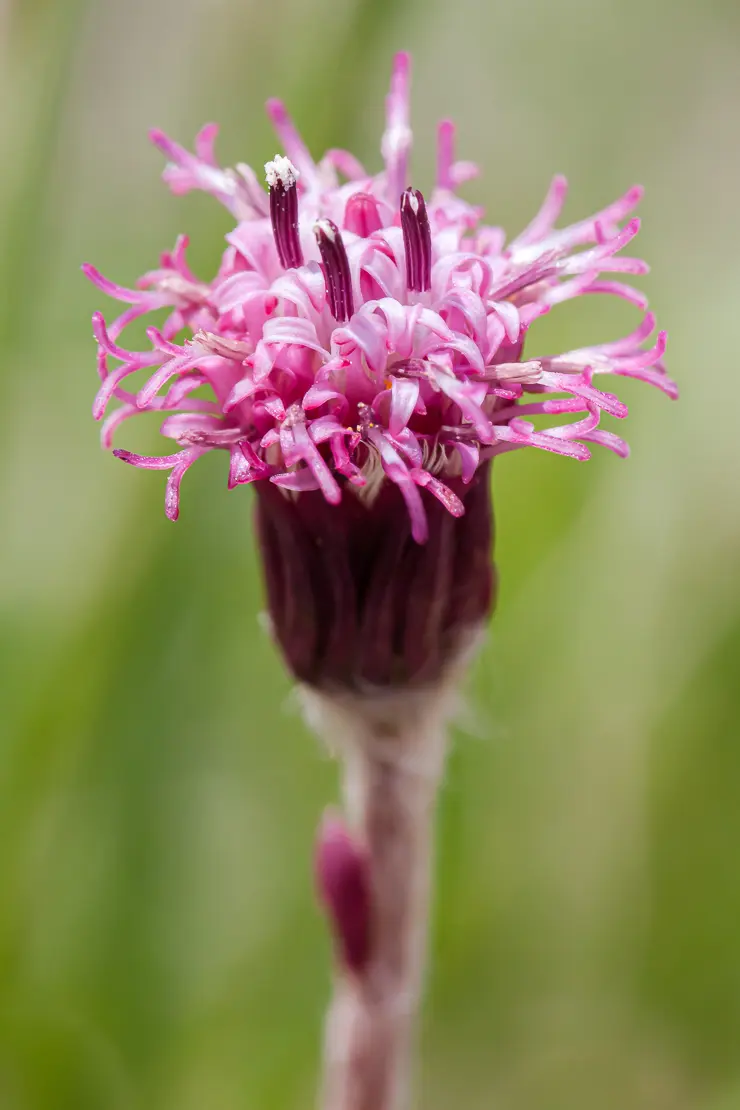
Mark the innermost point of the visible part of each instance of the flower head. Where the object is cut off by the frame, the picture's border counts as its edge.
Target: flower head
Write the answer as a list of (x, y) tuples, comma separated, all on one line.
[(363, 341)]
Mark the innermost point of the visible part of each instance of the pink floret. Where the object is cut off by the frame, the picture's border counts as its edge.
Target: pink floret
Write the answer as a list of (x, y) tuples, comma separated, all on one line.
[(358, 331)]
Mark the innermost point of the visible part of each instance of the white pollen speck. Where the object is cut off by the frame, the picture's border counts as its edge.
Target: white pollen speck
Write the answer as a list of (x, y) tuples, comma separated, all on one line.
[(281, 171)]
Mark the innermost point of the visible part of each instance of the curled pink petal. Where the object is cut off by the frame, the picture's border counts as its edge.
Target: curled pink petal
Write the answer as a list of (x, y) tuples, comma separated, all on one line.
[(346, 163), (396, 141), (300, 481), (293, 144), (148, 462), (113, 422), (469, 455), (438, 489), (118, 292), (240, 468), (445, 154), (398, 472), (619, 289), (185, 171), (108, 389), (404, 397), (172, 491), (545, 219), (310, 454)]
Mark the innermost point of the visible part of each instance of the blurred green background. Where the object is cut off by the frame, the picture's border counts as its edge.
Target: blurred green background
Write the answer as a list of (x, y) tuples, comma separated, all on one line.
[(159, 944)]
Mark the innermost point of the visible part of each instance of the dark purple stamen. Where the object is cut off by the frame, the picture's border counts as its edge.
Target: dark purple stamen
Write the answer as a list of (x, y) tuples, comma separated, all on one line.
[(284, 216), (336, 269), (417, 241)]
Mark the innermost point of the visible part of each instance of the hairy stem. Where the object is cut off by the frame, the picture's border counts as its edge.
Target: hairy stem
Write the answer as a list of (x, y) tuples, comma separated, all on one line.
[(393, 752)]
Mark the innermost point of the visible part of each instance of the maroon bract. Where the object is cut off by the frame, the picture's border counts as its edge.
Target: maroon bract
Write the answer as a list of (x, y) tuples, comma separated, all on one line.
[(343, 882)]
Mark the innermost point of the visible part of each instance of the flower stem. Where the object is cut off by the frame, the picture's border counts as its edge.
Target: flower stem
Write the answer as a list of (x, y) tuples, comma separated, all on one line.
[(393, 754)]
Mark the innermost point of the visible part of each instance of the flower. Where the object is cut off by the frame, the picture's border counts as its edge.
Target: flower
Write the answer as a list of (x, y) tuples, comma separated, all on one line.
[(363, 343)]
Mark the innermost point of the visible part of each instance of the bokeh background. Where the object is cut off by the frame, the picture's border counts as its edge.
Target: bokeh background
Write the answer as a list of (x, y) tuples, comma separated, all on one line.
[(159, 944)]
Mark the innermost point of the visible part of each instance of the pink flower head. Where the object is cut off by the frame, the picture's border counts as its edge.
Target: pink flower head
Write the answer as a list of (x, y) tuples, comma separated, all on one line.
[(359, 332)]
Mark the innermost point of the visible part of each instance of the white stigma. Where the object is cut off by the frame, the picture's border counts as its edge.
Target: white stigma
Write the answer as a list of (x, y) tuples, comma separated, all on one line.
[(281, 171)]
